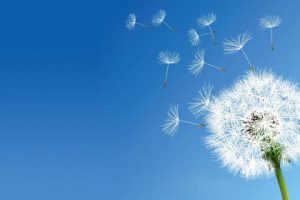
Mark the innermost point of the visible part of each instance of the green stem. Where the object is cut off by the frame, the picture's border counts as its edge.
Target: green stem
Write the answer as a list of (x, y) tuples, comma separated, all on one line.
[(281, 183)]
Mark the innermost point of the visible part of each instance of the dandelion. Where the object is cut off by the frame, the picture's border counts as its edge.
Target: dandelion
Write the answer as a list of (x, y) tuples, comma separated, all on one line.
[(198, 63), (159, 18), (255, 126), (168, 58), (234, 45), (194, 37), (270, 22), (131, 22), (206, 21), (171, 125)]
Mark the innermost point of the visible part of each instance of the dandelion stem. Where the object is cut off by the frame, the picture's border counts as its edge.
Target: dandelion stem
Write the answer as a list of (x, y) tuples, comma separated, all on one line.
[(282, 184), (205, 34), (192, 123), (246, 57), (169, 26), (143, 25), (166, 75), (271, 37), (274, 155), (214, 66), (212, 35)]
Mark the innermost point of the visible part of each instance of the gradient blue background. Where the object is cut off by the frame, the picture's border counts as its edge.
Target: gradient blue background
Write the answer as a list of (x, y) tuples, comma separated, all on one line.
[(82, 101)]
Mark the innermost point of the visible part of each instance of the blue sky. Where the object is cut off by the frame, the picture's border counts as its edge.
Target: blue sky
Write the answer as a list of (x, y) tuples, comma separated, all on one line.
[(82, 99)]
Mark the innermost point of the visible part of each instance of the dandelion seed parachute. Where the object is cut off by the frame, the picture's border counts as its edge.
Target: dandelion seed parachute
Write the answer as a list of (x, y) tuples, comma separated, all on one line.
[(168, 58), (194, 37), (159, 18), (171, 125), (247, 119), (206, 21), (198, 63), (131, 21), (270, 22), (234, 45), (202, 102)]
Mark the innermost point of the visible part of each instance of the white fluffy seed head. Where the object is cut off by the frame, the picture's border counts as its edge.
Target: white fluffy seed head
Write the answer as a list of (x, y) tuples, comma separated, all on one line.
[(202, 102), (194, 37), (269, 22), (259, 108), (234, 45), (131, 21), (168, 57), (197, 64), (207, 20), (171, 124), (159, 17)]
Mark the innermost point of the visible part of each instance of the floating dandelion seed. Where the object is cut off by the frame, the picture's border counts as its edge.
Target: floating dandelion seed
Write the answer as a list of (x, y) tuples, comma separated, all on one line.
[(171, 124), (207, 21), (168, 58), (131, 22), (202, 101), (270, 22), (195, 37), (159, 18), (255, 126), (198, 63), (234, 45)]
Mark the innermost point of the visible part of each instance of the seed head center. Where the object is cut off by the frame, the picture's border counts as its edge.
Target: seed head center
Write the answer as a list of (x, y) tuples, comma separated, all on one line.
[(261, 125)]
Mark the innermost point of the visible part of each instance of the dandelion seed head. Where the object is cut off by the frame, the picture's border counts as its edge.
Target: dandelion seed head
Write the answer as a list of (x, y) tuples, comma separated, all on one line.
[(159, 17), (269, 22), (197, 64), (247, 119), (171, 125), (131, 21), (168, 57), (234, 45), (207, 20), (194, 37), (202, 102)]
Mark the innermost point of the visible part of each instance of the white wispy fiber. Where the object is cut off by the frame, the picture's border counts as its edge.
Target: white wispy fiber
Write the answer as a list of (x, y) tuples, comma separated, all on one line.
[(234, 45), (171, 125), (246, 120), (198, 63), (206, 21), (195, 37), (131, 22), (168, 58), (159, 18), (202, 102), (270, 22)]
